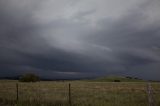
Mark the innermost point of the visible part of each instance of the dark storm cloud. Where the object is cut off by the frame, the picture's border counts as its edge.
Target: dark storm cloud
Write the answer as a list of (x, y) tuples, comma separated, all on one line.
[(72, 39)]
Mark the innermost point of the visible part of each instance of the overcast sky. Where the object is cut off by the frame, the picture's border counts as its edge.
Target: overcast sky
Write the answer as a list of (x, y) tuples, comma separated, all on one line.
[(80, 38)]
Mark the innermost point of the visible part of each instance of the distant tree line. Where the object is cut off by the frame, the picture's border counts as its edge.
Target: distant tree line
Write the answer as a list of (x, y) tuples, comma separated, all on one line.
[(133, 78)]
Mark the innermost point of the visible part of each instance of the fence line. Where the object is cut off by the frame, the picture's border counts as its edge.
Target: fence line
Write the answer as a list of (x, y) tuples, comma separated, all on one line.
[(150, 94)]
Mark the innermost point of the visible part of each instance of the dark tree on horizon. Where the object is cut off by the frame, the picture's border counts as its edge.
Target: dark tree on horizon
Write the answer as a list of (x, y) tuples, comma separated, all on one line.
[(30, 77)]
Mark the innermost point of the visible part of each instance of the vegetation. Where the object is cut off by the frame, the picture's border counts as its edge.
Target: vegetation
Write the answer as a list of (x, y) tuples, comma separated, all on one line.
[(83, 93), (117, 79), (29, 78)]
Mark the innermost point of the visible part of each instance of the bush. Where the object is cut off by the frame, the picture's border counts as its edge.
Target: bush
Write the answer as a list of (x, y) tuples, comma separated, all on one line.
[(29, 78), (117, 81), (129, 77)]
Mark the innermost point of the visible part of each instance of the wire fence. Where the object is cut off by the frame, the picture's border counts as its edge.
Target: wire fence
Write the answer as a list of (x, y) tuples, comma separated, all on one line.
[(79, 94)]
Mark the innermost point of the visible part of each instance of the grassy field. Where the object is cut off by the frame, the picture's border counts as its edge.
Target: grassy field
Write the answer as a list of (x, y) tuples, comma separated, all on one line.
[(83, 93)]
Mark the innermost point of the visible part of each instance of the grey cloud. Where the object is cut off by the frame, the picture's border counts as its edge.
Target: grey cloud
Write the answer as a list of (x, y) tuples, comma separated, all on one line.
[(74, 39)]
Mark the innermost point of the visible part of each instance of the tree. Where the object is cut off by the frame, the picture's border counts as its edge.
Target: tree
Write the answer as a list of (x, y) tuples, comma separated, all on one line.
[(117, 81), (29, 78)]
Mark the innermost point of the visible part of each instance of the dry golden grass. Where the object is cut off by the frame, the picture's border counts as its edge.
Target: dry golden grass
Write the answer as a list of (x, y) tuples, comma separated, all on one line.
[(83, 93)]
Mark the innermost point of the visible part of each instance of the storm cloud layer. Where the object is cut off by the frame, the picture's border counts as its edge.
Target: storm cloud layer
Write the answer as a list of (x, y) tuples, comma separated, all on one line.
[(80, 38)]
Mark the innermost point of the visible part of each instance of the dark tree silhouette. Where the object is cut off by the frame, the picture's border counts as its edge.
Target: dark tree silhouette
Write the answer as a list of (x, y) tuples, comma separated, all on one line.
[(29, 78)]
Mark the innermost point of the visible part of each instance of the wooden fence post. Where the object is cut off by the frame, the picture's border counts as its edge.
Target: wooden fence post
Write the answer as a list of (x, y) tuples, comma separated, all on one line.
[(69, 94), (17, 91), (151, 100)]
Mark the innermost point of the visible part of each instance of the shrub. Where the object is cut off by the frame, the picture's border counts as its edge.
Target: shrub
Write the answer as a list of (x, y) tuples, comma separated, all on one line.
[(29, 78), (117, 81), (129, 77)]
